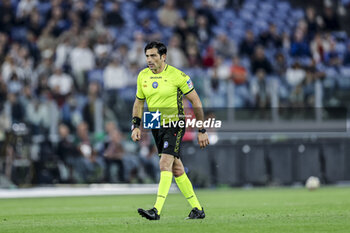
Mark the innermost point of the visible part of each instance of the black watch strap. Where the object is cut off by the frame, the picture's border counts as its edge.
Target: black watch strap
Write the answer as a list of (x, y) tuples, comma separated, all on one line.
[(202, 130)]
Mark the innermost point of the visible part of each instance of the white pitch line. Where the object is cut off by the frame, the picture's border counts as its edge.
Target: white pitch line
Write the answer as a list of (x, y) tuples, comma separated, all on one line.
[(91, 190)]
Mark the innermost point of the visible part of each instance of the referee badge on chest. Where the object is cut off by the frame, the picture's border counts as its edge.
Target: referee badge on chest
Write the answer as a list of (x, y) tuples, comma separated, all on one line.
[(166, 144), (154, 85)]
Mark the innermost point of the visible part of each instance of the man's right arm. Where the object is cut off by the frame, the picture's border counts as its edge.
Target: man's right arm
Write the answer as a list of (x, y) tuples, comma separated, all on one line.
[(137, 112)]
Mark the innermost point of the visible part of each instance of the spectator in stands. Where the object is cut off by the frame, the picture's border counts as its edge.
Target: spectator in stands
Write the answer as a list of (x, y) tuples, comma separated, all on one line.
[(206, 10), (182, 29), (346, 61), (193, 57), (102, 49), (224, 46), (14, 84), (69, 154), (92, 165), (259, 61), (299, 45), (33, 50), (270, 38), (61, 85), (168, 14), (221, 69), (115, 76), (311, 21), (17, 110), (4, 46), (82, 60), (46, 41), (209, 57), (71, 114), (319, 47), (136, 50), (176, 56), (216, 93), (309, 88), (38, 116), (260, 89), (150, 31), (248, 44), (332, 57), (25, 7), (191, 17), (80, 9), (329, 20), (280, 65), (114, 17), (113, 154), (3, 91), (7, 16), (89, 108), (63, 50), (203, 30), (9, 68), (238, 72), (295, 75), (34, 23)]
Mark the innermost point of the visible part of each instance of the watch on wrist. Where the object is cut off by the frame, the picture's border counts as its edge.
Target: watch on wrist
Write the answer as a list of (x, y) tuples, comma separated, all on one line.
[(202, 130), (136, 122), (133, 126)]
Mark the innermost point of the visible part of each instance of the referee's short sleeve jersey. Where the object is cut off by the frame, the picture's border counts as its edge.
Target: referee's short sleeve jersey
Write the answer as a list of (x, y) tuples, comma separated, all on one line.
[(164, 91)]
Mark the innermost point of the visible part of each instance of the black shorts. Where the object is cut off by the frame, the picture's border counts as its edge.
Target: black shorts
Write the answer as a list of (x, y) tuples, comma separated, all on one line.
[(168, 140)]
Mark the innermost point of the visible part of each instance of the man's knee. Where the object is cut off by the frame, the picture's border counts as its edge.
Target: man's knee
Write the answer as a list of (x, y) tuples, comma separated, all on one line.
[(178, 172), (178, 168)]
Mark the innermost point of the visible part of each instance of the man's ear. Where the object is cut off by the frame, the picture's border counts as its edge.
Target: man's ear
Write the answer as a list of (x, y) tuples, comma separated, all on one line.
[(164, 57)]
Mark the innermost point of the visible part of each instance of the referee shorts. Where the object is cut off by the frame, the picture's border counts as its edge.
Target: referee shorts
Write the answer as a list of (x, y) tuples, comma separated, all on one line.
[(168, 140)]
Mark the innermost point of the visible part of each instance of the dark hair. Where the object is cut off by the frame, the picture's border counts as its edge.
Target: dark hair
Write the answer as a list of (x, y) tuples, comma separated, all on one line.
[(158, 45)]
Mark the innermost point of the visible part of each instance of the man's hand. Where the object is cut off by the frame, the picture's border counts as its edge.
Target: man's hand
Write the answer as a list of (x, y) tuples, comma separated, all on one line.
[(203, 140), (136, 134)]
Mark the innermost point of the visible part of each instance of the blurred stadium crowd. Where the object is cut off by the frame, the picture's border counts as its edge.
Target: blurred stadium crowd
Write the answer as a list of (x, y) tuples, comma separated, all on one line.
[(71, 60)]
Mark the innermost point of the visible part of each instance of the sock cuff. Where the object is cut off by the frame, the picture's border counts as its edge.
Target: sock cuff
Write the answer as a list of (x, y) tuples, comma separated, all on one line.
[(181, 178), (166, 174)]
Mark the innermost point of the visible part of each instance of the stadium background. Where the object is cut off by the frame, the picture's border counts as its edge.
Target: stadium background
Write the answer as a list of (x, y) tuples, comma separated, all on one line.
[(277, 70)]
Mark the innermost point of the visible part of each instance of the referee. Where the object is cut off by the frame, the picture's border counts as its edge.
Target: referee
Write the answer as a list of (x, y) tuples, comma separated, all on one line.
[(163, 87)]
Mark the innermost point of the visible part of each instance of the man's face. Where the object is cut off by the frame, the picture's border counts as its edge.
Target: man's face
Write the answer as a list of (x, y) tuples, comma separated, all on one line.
[(154, 60)]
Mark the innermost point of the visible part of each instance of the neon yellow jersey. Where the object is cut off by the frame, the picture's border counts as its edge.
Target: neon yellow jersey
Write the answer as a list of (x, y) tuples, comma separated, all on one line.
[(164, 91)]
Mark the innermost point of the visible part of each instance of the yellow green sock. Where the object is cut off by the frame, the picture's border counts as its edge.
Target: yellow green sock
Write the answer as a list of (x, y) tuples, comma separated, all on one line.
[(186, 188), (163, 189)]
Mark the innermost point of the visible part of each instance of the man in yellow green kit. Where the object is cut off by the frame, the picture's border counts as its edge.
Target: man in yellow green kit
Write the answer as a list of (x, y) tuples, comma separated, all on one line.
[(163, 87)]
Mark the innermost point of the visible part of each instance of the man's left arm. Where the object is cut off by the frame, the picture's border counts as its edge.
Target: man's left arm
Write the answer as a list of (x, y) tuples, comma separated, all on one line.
[(202, 136)]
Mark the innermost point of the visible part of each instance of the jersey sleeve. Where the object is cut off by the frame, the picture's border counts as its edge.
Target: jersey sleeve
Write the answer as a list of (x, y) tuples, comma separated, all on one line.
[(139, 93), (185, 83)]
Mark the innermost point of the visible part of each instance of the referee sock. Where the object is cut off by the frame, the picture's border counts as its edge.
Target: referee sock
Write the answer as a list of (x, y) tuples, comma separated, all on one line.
[(166, 178), (186, 188)]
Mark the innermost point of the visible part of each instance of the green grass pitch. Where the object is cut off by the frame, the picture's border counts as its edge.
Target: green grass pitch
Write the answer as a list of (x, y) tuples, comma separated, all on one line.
[(228, 210)]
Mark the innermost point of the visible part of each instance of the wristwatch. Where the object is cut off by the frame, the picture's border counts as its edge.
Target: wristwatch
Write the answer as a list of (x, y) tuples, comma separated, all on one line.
[(133, 126), (202, 130)]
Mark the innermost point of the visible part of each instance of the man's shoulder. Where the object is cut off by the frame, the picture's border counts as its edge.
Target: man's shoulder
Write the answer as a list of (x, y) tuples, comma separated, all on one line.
[(145, 71), (175, 71)]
